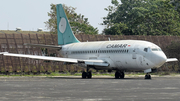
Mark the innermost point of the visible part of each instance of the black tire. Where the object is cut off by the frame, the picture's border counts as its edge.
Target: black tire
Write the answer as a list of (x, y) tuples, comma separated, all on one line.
[(122, 75), (117, 75), (89, 75), (147, 76), (84, 74)]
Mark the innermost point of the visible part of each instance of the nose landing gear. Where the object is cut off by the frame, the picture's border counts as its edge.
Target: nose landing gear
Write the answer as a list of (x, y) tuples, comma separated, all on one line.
[(147, 76), (147, 71)]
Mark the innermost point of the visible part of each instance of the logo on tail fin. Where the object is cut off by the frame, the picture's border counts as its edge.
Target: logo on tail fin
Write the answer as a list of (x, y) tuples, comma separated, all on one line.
[(62, 25)]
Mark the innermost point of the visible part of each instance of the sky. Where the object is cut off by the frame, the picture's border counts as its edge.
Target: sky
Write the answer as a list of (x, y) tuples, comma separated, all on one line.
[(30, 15)]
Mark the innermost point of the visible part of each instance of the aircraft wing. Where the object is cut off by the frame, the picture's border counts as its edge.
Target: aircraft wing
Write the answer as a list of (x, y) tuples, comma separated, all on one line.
[(44, 46), (67, 60), (171, 59)]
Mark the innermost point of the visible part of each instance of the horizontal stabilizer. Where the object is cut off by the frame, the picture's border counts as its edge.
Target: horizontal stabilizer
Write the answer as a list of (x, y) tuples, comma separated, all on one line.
[(44, 46), (171, 60)]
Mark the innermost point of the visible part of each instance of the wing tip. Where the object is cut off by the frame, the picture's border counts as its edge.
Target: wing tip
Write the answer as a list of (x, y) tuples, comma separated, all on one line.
[(171, 59)]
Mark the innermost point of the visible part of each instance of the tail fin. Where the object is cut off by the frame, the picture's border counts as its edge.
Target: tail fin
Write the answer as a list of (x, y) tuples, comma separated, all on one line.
[(65, 34)]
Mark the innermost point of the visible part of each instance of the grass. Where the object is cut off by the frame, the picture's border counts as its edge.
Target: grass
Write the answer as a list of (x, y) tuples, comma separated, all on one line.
[(41, 74), (94, 74)]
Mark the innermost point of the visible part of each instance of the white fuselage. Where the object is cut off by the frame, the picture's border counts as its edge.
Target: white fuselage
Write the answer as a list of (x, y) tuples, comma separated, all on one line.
[(121, 55)]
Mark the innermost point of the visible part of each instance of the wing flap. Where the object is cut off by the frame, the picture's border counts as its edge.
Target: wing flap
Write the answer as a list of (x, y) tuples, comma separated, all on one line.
[(103, 64), (94, 62), (171, 59)]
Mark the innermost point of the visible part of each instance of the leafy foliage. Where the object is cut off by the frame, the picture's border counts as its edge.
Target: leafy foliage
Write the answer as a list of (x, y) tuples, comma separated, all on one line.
[(142, 17), (78, 23), (117, 29), (176, 4), (51, 24)]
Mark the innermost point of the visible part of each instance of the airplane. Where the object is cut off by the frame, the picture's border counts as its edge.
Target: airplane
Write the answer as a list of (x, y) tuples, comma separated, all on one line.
[(120, 55)]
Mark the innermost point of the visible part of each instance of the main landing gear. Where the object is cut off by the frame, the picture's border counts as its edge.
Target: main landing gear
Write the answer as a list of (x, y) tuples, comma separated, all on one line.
[(147, 76), (87, 74), (119, 74)]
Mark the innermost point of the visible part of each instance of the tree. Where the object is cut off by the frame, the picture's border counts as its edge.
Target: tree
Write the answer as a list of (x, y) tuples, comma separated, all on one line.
[(143, 17), (164, 20), (51, 24), (176, 4), (78, 23), (116, 29), (126, 13)]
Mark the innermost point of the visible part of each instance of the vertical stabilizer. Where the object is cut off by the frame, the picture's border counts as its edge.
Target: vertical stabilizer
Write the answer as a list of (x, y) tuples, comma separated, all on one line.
[(65, 34)]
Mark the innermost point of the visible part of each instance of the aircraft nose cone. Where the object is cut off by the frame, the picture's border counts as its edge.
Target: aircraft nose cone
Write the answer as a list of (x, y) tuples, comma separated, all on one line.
[(160, 59)]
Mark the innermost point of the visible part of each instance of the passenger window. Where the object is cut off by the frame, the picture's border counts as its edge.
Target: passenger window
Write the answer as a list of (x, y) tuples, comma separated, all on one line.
[(146, 49)]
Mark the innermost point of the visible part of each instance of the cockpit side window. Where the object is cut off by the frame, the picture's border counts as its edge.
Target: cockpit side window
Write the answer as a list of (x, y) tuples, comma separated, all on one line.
[(159, 49), (146, 49)]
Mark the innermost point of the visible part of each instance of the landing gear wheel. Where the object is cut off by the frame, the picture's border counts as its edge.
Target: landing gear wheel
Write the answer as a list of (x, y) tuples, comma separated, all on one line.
[(122, 75), (84, 74), (89, 75), (117, 74), (147, 76)]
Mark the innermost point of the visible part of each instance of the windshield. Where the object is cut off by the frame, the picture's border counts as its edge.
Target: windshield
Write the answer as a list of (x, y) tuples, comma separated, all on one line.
[(156, 49)]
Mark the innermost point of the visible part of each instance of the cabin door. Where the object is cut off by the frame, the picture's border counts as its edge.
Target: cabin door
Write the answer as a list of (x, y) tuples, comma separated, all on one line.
[(134, 54), (138, 57), (146, 56)]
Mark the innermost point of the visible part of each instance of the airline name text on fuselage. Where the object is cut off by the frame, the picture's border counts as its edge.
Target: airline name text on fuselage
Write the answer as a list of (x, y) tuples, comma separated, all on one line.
[(116, 46)]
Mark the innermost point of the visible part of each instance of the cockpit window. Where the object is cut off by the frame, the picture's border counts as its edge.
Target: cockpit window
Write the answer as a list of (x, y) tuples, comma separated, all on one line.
[(159, 49), (154, 49), (146, 49)]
